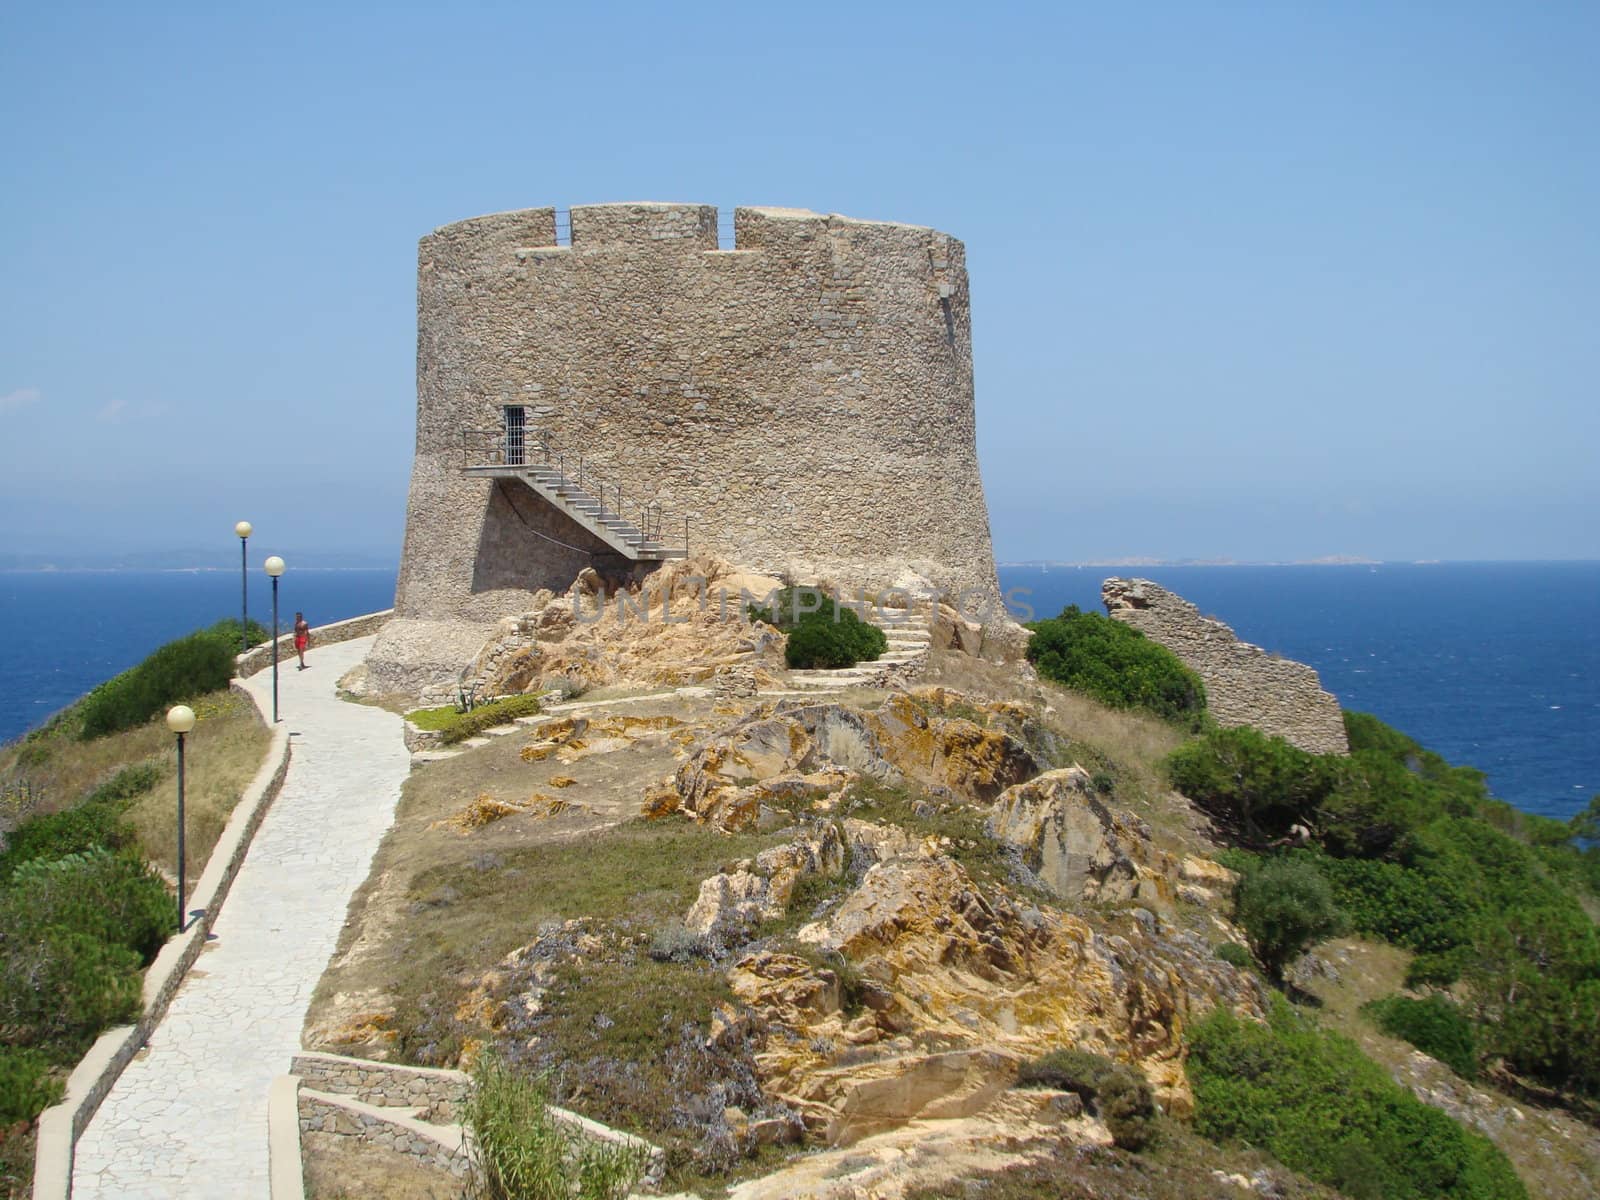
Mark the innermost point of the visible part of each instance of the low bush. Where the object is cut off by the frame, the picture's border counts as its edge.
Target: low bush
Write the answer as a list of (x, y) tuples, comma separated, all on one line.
[(520, 1151), (1315, 1102), (1433, 1025), (459, 726), (111, 898), (823, 635), (59, 988), (230, 631), (26, 1085), (1118, 1094), (1235, 955), (1285, 907), (1117, 665), (1534, 978), (820, 643), (1253, 784), (180, 670), (94, 824)]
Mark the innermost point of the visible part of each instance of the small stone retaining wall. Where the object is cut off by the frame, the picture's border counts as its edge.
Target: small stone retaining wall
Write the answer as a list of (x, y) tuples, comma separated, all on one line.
[(439, 1146), (414, 1111), (439, 1094), (259, 658)]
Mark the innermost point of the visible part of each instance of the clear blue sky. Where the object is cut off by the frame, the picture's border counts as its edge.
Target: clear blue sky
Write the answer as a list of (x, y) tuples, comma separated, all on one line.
[(1259, 281)]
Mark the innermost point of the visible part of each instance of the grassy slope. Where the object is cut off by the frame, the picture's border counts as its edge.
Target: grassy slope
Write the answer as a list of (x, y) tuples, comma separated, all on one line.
[(1555, 1154), (225, 751)]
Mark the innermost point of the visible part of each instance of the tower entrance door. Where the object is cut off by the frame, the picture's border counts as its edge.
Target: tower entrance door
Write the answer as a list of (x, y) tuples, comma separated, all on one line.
[(516, 418)]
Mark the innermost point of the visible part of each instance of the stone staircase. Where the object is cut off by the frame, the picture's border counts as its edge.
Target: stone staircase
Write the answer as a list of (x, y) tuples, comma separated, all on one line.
[(909, 639), (586, 502)]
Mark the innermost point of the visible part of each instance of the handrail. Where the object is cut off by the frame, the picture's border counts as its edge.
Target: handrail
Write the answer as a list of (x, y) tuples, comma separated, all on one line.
[(488, 448)]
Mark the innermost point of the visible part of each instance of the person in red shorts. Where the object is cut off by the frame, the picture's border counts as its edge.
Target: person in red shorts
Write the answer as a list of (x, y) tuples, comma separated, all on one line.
[(302, 637)]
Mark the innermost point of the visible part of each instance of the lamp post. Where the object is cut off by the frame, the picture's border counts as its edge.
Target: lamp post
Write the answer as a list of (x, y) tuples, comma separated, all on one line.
[(274, 566), (180, 719), (244, 529)]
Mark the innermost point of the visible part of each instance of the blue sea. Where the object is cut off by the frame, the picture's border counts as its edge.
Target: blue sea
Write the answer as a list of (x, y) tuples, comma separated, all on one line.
[(66, 631), (1492, 664)]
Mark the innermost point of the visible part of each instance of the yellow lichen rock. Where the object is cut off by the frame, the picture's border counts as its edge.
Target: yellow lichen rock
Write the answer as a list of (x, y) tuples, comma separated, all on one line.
[(956, 987), (482, 810)]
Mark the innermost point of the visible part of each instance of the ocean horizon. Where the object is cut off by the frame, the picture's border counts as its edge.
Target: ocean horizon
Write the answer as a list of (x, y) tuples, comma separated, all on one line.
[(1495, 665)]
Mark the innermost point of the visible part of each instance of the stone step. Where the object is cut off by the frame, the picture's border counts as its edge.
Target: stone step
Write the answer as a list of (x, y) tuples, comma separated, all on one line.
[(842, 675), (899, 656)]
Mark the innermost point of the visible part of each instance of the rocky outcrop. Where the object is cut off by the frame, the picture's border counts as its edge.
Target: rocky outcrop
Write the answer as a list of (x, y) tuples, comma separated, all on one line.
[(1077, 845), (1245, 685), (795, 753), (940, 988), (732, 903), (684, 624)]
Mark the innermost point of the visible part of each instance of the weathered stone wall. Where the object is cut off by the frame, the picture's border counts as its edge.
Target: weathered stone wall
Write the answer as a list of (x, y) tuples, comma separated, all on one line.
[(259, 658), (439, 1093), (805, 400), (1245, 685)]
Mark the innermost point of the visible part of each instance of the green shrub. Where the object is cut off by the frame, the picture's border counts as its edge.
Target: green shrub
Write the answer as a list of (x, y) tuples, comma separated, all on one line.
[(823, 635), (26, 1085), (1534, 978), (110, 898), (1235, 955), (1285, 907), (1117, 665), (94, 824), (1118, 1094), (229, 630), (1433, 1025), (820, 643), (522, 1152), (459, 726), (1255, 784), (59, 987), (1128, 1108), (1315, 1102), (1409, 906), (190, 666), (1418, 853)]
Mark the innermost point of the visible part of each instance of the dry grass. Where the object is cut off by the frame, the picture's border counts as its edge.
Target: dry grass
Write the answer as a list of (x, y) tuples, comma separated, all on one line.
[(225, 751), (1127, 746)]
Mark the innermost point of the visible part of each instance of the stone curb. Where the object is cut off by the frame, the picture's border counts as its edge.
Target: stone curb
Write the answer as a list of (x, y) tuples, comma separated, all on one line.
[(285, 1176), (259, 658), (61, 1125)]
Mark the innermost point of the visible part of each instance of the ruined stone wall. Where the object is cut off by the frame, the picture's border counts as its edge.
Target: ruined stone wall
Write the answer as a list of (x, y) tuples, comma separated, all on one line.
[(805, 399), (1245, 685)]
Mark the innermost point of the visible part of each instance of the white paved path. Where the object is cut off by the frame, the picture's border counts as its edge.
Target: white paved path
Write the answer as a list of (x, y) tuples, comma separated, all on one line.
[(189, 1116)]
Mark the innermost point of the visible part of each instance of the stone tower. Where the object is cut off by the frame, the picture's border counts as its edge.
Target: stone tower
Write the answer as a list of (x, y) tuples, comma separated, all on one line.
[(801, 403)]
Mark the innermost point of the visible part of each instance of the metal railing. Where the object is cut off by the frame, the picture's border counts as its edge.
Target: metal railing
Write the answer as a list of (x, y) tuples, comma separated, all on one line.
[(575, 479)]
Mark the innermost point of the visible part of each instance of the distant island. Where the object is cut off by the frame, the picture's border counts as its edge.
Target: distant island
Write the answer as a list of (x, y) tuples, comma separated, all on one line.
[(1327, 560)]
